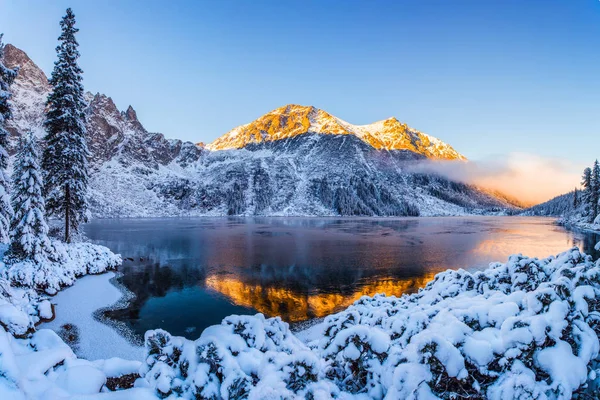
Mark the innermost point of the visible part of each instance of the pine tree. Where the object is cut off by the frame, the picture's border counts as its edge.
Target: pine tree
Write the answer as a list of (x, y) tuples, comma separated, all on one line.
[(586, 183), (7, 77), (595, 190), (65, 158), (28, 229), (575, 198)]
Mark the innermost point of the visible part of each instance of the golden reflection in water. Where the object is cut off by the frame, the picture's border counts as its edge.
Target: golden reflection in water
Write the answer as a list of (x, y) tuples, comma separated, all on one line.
[(294, 307)]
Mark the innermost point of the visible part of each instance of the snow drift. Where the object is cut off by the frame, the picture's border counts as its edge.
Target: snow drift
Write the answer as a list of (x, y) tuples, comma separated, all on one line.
[(22, 305), (64, 264)]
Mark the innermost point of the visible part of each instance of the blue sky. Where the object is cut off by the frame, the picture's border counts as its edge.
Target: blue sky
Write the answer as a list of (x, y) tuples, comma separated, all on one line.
[(489, 77)]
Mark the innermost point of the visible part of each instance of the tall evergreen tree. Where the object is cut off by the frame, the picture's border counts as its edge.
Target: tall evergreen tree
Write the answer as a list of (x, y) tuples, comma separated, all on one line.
[(65, 157), (586, 183), (595, 192), (575, 198), (7, 77), (28, 228)]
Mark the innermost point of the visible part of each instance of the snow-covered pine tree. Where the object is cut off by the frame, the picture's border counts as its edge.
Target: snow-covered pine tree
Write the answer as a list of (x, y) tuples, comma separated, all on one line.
[(595, 194), (7, 77), (586, 192), (28, 228), (575, 198), (65, 157)]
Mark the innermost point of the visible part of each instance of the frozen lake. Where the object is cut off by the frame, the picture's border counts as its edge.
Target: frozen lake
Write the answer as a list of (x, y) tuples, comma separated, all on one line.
[(188, 274)]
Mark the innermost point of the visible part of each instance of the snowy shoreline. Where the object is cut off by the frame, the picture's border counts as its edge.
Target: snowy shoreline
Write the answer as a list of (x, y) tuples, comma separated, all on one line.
[(580, 226), (80, 305), (126, 297)]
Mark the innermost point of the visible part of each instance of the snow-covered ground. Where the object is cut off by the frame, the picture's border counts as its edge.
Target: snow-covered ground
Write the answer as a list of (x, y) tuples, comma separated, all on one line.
[(528, 329), (44, 367), (22, 304), (63, 266), (580, 223), (76, 306)]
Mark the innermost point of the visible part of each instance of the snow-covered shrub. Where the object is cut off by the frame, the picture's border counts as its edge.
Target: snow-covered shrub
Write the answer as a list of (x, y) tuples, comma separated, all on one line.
[(63, 264), (528, 328), (354, 358), (42, 366), (19, 309), (244, 357)]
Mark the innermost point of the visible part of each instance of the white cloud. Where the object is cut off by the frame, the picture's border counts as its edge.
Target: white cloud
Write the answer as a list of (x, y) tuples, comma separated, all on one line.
[(529, 178)]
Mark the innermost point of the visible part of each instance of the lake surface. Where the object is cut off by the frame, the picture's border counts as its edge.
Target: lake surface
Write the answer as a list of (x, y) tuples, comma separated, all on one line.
[(188, 274)]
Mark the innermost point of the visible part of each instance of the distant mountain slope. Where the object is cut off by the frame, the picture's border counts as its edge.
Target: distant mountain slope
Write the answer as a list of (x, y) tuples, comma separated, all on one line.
[(556, 207), (112, 134), (293, 120), (295, 160), (316, 174)]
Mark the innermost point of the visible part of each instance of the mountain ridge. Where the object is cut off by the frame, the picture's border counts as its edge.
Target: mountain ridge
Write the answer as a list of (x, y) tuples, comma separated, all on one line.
[(291, 120)]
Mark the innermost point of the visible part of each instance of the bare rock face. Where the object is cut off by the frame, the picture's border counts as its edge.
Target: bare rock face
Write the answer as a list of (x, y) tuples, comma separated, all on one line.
[(131, 117), (29, 93), (112, 134)]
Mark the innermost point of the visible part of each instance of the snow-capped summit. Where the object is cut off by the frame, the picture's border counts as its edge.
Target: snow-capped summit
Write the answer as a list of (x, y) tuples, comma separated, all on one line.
[(293, 120)]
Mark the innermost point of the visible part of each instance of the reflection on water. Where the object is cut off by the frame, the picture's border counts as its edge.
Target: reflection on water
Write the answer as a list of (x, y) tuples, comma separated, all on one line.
[(302, 306), (190, 273)]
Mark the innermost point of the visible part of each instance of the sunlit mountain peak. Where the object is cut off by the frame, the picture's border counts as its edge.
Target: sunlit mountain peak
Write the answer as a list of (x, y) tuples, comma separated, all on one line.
[(293, 120)]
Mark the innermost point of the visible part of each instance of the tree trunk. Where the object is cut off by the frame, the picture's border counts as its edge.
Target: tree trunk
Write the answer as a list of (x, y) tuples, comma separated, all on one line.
[(67, 211)]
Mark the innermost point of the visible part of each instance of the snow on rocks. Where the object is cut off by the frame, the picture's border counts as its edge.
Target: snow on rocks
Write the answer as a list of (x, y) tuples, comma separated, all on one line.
[(524, 329), (64, 264)]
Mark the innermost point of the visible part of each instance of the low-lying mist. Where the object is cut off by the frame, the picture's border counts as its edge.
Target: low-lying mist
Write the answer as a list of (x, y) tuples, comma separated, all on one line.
[(528, 178)]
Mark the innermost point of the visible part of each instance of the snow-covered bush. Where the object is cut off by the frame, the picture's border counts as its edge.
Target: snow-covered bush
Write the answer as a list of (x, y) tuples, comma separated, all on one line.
[(63, 264), (527, 326), (21, 309), (524, 329), (44, 367), (244, 357)]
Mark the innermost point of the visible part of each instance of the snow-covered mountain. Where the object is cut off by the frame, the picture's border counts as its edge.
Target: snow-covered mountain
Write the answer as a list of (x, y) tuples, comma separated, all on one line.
[(295, 160), (112, 134), (293, 120)]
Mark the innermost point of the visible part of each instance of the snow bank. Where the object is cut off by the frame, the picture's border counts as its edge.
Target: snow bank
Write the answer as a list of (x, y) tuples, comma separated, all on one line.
[(21, 304), (65, 263), (525, 329), (20, 308), (44, 367), (77, 306)]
